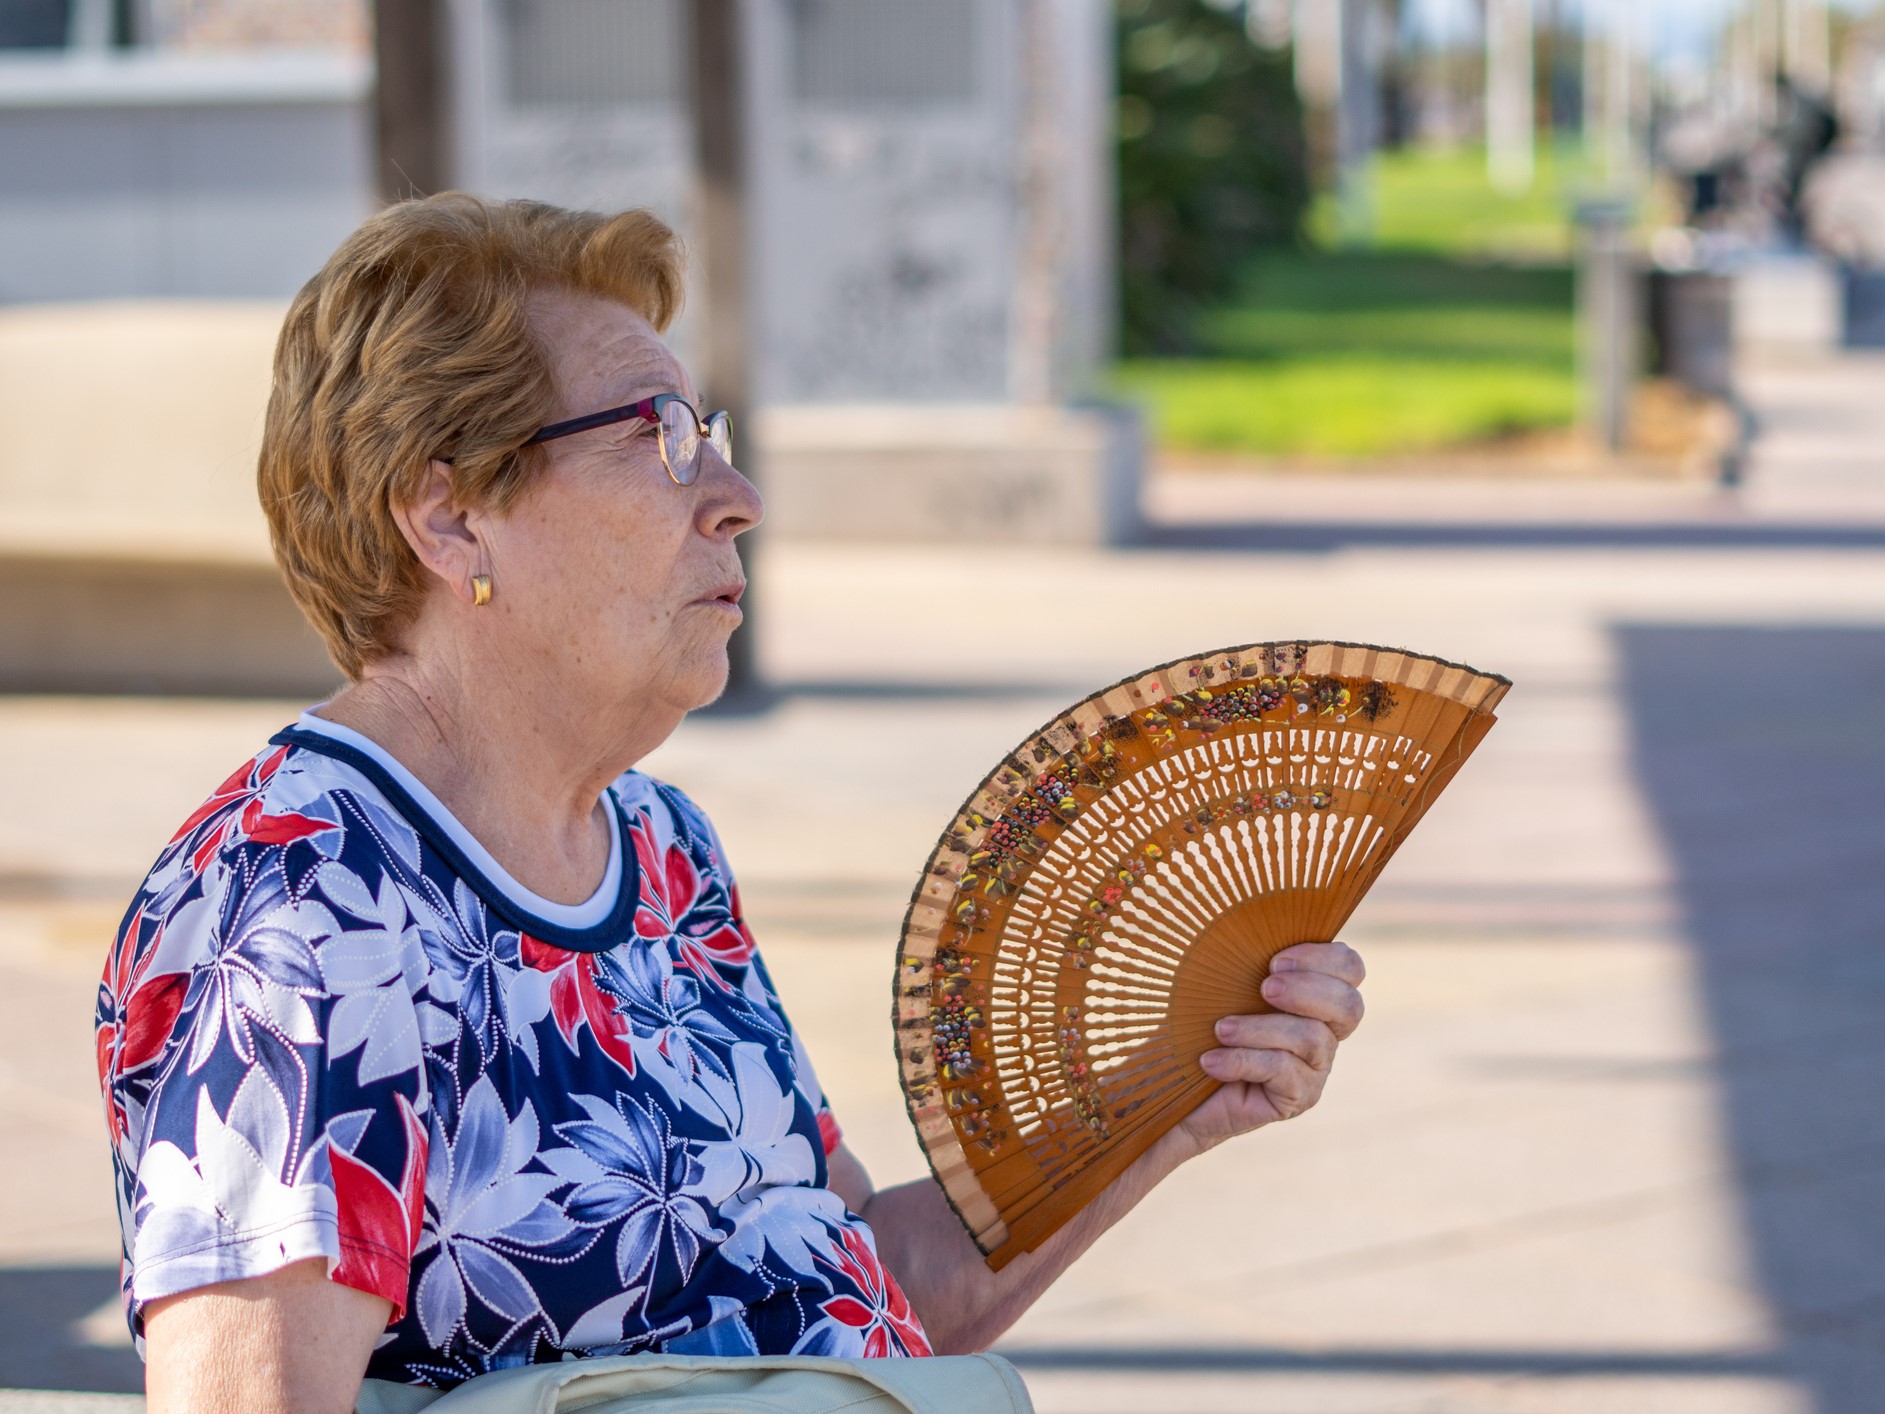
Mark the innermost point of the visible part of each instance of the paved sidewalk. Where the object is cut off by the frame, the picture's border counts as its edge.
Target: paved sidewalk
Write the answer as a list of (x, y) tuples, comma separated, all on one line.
[(1610, 1138)]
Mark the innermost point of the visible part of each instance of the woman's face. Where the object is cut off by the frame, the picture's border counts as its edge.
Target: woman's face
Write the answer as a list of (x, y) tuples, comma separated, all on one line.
[(617, 583)]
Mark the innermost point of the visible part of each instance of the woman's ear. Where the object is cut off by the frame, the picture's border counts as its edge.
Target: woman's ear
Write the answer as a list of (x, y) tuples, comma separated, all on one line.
[(443, 534)]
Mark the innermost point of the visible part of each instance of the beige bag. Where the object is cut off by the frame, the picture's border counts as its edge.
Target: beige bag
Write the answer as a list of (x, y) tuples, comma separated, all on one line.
[(723, 1384)]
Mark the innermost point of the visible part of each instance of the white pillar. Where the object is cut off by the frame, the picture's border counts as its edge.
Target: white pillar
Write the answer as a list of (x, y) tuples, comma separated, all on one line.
[(1619, 100), (1806, 46), (1742, 76), (1318, 53), (90, 25), (1035, 334), (1509, 94), (1336, 61), (1357, 121), (1767, 30), (1268, 23)]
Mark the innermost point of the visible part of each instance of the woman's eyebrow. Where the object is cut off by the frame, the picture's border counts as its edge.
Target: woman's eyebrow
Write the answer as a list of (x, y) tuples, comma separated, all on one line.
[(652, 382)]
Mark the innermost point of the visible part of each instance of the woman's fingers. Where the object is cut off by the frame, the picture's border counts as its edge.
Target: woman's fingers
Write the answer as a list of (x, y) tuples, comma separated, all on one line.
[(1274, 1065), (1317, 995), (1309, 1040), (1290, 1085), (1336, 960)]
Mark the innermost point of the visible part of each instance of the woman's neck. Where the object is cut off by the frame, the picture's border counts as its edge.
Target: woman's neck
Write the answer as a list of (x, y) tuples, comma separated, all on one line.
[(523, 772)]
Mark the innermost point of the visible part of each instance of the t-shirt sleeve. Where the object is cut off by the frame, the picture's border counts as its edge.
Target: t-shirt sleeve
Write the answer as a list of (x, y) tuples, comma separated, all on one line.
[(284, 1115)]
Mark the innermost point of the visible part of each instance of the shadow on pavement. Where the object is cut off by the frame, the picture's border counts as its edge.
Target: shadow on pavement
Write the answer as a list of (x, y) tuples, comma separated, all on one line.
[(1325, 537), (1384, 1360), (44, 1332), (1759, 752)]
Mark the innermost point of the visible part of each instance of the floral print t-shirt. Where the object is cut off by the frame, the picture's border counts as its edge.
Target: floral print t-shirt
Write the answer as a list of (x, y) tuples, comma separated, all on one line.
[(332, 1026)]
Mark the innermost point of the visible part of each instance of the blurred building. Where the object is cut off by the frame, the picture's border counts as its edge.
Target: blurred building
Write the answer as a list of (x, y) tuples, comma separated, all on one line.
[(178, 148), (919, 170), (895, 195), (931, 226)]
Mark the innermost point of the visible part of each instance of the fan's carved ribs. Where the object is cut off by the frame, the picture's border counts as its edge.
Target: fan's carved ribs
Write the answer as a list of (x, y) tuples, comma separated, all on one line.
[(1242, 834)]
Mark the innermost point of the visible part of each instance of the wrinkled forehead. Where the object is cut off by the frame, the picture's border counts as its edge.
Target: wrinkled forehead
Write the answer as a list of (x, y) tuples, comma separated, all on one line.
[(603, 353)]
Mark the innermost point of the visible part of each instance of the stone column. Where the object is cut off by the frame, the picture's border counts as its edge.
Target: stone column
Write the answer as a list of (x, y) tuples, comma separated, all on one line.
[(1509, 94)]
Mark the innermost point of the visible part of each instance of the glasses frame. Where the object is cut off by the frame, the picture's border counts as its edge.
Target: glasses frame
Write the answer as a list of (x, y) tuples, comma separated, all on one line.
[(649, 410)]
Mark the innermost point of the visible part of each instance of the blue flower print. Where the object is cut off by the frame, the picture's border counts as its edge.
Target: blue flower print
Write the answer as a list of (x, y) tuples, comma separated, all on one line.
[(482, 1207), (476, 972), (645, 1178)]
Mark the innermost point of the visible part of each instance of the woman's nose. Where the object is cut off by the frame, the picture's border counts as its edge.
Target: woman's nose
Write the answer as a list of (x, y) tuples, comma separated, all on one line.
[(731, 504)]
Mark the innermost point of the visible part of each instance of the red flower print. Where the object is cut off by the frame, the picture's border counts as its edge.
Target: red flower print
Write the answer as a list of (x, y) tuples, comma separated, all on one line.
[(881, 1311), (224, 809), (704, 922), (576, 1000), (736, 950), (279, 829), (237, 805), (379, 1226), (135, 1013)]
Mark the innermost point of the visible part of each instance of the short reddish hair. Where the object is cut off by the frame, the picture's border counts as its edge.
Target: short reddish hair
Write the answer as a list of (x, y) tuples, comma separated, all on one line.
[(413, 342)]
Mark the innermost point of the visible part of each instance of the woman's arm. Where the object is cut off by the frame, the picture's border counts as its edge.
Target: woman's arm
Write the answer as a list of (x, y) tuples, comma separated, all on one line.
[(1274, 1067), (291, 1342)]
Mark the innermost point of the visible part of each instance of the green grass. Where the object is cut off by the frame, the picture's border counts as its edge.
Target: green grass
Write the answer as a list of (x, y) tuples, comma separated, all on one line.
[(1343, 406), (1440, 201), (1423, 340), (1355, 354), (1393, 304)]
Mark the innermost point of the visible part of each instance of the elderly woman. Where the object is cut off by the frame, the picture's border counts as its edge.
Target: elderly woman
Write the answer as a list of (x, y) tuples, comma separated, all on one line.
[(435, 1041)]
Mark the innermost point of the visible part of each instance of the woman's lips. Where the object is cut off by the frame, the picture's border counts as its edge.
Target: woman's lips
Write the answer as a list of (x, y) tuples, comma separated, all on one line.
[(726, 597)]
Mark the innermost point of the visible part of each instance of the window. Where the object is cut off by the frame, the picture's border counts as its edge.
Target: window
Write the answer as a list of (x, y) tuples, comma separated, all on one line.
[(595, 53), (877, 53)]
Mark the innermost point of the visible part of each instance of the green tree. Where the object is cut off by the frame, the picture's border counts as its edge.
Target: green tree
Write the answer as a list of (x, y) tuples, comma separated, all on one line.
[(1212, 163)]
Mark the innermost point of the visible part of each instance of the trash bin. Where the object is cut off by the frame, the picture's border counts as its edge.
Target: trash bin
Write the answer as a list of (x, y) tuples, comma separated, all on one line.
[(1610, 316), (1691, 320), (1864, 307)]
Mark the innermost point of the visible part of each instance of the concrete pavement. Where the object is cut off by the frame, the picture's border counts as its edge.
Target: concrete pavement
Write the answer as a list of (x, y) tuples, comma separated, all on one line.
[(1610, 1138)]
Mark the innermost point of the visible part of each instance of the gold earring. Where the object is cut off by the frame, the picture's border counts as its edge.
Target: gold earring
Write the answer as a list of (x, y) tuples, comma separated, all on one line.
[(480, 590)]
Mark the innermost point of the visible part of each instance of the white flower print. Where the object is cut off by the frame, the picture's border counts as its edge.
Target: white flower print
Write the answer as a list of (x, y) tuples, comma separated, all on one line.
[(675, 1036), (372, 972), (259, 980), (240, 1205), (761, 1149), (481, 1206)]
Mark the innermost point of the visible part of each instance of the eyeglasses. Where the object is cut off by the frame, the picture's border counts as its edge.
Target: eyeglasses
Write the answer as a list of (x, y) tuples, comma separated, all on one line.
[(681, 432)]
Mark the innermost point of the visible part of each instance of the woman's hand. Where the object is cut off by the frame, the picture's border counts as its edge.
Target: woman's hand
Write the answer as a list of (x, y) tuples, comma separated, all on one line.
[(1274, 1065)]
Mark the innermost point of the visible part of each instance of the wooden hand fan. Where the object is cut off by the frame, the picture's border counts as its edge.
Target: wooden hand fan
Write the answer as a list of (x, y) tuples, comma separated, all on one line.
[(1121, 881)]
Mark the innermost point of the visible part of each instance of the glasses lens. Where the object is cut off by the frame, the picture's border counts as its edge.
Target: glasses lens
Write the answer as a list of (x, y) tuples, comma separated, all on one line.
[(720, 433), (680, 440)]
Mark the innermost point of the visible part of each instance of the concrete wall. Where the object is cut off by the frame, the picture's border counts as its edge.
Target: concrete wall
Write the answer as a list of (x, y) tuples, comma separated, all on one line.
[(149, 174), (890, 182), (893, 191), (109, 624), (963, 473), (133, 555)]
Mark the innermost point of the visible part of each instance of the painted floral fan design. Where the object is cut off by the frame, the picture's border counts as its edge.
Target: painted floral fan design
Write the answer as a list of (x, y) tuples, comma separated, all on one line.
[(1120, 882)]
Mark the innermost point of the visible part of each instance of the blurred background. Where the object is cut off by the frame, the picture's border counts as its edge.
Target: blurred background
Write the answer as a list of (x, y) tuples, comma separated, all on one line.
[(1064, 338)]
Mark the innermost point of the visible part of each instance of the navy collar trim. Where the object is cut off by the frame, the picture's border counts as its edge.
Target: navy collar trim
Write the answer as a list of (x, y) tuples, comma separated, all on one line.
[(613, 929)]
